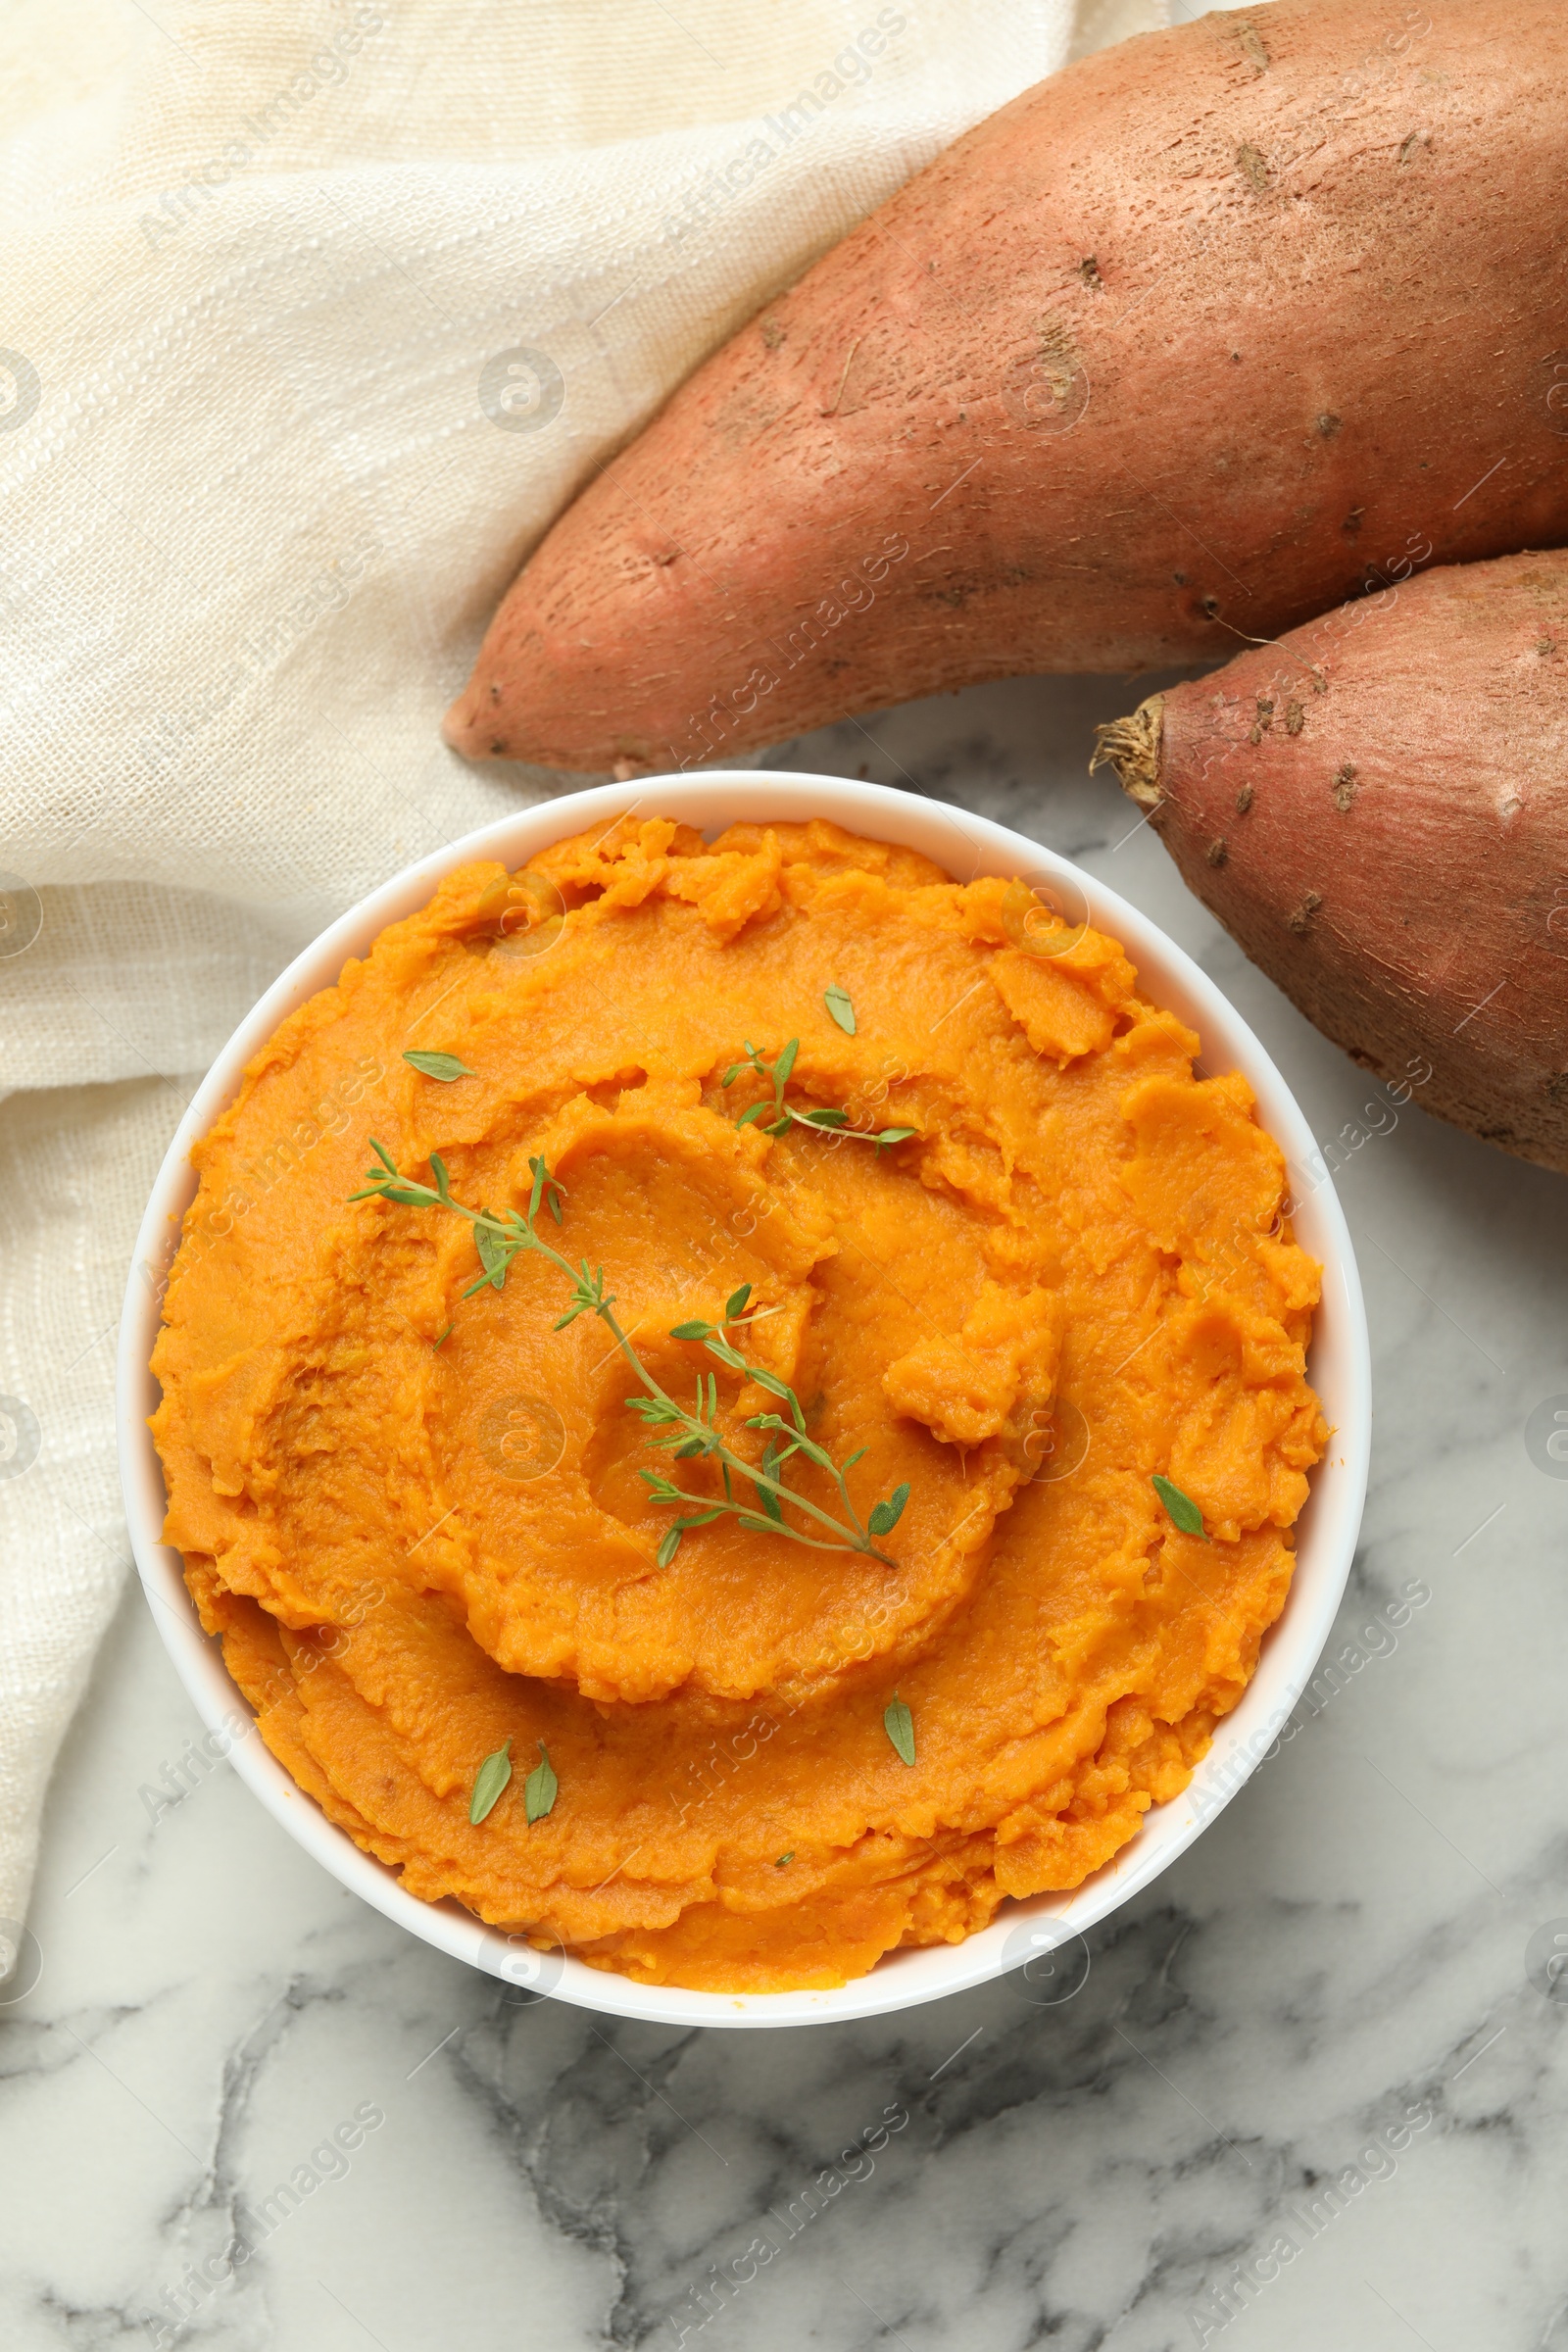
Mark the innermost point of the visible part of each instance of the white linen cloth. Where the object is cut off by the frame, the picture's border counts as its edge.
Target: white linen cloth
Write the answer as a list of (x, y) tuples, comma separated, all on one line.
[(260, 496)]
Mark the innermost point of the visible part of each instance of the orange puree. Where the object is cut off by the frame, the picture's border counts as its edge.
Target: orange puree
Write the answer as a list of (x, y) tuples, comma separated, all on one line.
[(1075, 1274)]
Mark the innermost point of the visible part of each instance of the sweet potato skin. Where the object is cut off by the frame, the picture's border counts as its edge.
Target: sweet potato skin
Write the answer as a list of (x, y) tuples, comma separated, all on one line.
[(1177, 345), (1377, 809)]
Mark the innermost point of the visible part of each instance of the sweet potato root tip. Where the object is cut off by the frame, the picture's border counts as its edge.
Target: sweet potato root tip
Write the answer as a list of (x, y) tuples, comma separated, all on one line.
[(1131, 746), (457, 729)]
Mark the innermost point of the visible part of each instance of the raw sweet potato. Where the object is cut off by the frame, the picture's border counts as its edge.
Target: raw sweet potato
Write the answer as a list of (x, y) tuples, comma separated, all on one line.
[(1377, 807), (1175, 346)]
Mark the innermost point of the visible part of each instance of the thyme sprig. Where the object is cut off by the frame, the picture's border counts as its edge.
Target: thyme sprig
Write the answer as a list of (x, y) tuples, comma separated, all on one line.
[(778, 1117), (692, 1432)]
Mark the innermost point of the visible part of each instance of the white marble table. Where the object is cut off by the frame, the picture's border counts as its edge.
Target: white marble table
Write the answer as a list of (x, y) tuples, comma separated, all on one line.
[(1307, 2098)]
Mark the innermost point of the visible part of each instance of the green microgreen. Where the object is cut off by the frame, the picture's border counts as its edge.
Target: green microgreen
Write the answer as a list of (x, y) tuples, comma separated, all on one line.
[(489, 1782), (1180, 1508), (445, 1066), (689, 1433), (837, 1000), (539, 1789), (899, 1725), (778, 1117)]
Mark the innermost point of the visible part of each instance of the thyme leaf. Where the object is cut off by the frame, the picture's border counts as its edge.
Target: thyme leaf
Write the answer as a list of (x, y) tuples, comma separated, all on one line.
[(1180, 1508), (885, 1516), (773, 1456), (839, 1009), (445, 1066), (899, 1725), (494, 1255), (539, 1789), (489, 1782)]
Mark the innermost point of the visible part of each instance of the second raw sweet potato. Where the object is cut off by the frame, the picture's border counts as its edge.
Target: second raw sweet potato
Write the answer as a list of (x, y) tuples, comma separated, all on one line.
[(1377, 807)]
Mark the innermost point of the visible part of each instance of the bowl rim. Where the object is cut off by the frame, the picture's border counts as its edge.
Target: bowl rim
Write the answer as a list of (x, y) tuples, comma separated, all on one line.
[(1339, 1364)]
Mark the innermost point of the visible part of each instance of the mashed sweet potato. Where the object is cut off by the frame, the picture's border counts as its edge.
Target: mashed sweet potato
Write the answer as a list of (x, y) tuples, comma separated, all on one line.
[(417, 1521)]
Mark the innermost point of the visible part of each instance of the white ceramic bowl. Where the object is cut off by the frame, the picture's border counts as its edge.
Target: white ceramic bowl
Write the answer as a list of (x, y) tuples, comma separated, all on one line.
[(1339, 1367)]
